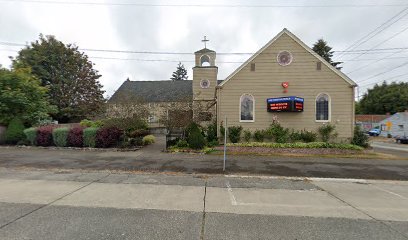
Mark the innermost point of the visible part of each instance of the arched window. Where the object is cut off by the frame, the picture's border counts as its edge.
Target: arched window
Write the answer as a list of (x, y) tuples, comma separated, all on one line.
[(323, 107), (205, 60), (247, 106)]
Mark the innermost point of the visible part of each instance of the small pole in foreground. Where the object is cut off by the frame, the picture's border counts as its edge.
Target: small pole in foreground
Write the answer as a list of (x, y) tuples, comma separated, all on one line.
[(225, 144)]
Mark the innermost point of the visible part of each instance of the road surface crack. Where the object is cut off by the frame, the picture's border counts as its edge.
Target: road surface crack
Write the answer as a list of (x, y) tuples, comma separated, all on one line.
[(204, 213), (50, 203), (367, 214)]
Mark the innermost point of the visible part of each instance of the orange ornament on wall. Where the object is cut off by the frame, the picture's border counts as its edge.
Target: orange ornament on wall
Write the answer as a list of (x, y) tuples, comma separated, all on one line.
[(285, 85)]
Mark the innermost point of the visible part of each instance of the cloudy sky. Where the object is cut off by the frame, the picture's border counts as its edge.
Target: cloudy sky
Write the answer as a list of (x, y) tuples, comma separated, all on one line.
[(177, 26)]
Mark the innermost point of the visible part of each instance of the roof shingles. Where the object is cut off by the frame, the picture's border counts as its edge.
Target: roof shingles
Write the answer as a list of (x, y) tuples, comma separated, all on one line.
[(154, 91)]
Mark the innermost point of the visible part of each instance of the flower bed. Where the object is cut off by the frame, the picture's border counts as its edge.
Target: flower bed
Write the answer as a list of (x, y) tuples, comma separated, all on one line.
[(318, 148), (344, 146)]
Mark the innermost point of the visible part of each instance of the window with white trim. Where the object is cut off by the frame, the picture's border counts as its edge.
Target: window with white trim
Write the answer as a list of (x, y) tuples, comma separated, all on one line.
[(247, 106), (322, 107)]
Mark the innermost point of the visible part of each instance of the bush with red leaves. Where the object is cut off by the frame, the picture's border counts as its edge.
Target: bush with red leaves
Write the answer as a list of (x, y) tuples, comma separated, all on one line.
[(108, 137), (44, 136), (75, 137)]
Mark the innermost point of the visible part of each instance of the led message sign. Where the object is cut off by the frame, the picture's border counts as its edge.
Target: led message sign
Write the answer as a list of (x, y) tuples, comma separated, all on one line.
[(285, 104)]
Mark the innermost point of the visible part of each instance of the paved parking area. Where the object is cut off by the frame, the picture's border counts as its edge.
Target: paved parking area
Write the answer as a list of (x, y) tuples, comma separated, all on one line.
[(152, 160)]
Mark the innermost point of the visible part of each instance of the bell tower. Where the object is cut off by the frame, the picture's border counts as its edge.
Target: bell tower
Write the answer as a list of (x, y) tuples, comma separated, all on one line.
[(204, 73), (204, 82)]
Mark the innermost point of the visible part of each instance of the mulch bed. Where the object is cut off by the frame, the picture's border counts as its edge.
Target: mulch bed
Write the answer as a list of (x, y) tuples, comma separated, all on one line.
[(264, 150)]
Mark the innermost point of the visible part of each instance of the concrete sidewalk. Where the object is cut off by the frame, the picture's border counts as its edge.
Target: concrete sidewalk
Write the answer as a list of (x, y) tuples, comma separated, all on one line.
[(35, 204)]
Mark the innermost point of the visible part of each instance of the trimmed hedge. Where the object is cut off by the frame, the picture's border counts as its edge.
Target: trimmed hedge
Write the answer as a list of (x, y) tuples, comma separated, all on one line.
[(60, 136), (75, 137), (298, 145), (31, 135), (14, 132), (89, 137), (44, 136), (108, 137)]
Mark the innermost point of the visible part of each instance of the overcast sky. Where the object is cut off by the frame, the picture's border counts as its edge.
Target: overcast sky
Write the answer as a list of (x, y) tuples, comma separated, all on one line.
[(141, 25)]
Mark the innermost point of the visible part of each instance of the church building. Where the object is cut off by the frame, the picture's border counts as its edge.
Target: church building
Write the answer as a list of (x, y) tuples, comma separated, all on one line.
[(284, 81)]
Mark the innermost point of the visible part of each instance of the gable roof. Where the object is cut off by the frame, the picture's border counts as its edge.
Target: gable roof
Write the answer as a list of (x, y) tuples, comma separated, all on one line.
[(307, 48), (154, 91)]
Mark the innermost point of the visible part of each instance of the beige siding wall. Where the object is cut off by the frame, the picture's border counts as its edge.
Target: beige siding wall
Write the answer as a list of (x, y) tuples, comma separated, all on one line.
[(304, 81), (200, 73)]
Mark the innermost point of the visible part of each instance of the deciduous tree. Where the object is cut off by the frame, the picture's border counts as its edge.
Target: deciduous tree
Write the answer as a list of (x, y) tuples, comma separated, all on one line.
[(21, 96), (72, 81), (385, 98)]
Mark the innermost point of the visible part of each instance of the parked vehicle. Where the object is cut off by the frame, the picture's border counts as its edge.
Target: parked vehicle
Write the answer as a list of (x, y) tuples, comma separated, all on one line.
[(402, 139), (374, 132)]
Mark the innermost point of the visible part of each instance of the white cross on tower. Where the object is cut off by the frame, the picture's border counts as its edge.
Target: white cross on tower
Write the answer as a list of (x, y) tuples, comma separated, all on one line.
[(205, 40)]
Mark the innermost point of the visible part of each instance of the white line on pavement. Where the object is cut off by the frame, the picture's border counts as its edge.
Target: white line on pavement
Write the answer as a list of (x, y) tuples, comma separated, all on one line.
[(231, 194), (390, 192)]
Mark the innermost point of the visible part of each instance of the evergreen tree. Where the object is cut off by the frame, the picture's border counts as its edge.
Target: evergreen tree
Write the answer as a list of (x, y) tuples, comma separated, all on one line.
[(68, 74), (325, 51), (180, 73)]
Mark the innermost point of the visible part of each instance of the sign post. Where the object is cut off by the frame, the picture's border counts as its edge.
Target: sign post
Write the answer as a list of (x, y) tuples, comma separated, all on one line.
[(225, 144)]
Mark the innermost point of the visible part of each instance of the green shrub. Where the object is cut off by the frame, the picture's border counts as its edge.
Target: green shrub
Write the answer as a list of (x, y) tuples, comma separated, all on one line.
[(259, 135), (195, 138), (182, 143), (278, 133), (360, 138), (247, 135), (15, 131), (222, 131), (213, 143), (308, 136), (234, 133), (90, 137), (295, 136), (60, 136), (31, 135), (89, 123), (212, 132), (327, 132), (192, 127), (149, 139)]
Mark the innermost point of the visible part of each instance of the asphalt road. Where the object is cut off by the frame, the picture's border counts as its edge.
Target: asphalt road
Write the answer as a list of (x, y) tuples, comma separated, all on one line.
[(150, 159), (45, 205)]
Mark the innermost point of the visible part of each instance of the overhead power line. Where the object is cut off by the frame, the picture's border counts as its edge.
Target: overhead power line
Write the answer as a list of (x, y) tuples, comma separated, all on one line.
[(208, 5), (378, 60), (380, 28), (382, 80), (358, 51), (384, 41), (387, 71)]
